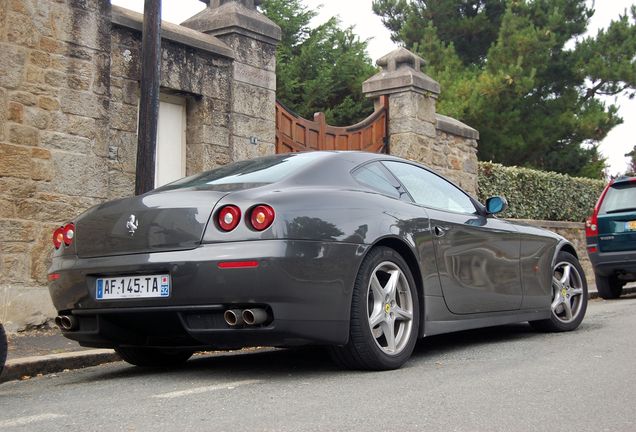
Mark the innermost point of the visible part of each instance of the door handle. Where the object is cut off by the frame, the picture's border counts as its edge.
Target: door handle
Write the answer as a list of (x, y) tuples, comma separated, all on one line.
[(440, 231)]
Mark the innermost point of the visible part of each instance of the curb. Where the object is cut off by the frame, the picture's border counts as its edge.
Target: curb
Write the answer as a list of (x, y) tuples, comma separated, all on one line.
[(32, 366), (593, 295)]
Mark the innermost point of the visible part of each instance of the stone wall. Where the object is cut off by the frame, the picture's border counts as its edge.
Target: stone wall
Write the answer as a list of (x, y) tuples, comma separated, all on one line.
[(69, 94), (54, 103)]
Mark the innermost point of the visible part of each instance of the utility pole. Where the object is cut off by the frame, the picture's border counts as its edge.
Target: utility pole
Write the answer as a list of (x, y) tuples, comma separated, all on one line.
[(149, 103)]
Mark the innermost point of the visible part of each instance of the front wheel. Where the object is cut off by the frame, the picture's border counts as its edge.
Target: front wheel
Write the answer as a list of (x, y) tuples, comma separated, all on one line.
[(569, 296), (140, 356), (384, 314), (609, 287)]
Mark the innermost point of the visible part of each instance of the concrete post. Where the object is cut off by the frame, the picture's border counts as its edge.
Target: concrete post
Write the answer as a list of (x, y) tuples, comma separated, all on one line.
[(253, 37), (412, 97), (416, 132)]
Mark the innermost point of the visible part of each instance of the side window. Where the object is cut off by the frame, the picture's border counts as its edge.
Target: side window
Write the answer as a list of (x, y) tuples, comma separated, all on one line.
[(373, 176), (431, 190)]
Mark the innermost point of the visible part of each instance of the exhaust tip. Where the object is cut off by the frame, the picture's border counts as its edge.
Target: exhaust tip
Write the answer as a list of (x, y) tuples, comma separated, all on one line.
[(67, 322), (254, 316), (234, 317)]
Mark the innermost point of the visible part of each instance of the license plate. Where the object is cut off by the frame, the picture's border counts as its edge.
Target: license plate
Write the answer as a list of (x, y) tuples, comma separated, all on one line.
[(124, 287), (630, 226)]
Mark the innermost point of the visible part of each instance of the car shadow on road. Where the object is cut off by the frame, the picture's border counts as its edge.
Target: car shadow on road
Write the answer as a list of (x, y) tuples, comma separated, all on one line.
[(271, 363), (451, 342)]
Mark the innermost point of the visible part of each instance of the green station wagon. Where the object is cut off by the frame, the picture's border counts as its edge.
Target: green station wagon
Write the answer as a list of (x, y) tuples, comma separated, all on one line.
[(611, 237)]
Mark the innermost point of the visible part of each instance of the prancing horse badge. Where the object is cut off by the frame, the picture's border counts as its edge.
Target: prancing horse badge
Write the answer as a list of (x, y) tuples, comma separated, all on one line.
[(132, 224)]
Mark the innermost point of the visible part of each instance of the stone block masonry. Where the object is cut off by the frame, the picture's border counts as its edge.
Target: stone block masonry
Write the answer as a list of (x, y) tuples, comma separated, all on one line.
[(416, 132), (54, 103), (69, 94)]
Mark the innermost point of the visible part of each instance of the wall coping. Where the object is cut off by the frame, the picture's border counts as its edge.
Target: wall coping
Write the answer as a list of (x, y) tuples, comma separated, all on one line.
[(172, 32), (455, 127), (400, 72), (229, 17)]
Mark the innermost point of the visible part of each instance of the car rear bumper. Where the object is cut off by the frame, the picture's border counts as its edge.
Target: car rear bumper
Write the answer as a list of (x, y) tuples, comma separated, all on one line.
[(621, 264), (304, 286)]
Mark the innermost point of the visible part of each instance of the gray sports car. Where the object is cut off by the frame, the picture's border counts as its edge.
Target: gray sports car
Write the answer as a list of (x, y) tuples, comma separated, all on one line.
[(361, 252)]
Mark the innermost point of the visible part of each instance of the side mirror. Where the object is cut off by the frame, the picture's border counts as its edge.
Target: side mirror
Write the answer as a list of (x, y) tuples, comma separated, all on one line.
[(496, 205)]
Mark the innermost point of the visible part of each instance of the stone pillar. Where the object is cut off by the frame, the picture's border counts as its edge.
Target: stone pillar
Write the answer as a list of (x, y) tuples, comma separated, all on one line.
[(416, 132), (253, 37)]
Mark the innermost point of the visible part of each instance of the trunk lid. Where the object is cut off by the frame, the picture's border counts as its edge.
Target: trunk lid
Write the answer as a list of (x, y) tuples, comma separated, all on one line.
[(155, 222), (617, 231), (616, 218)]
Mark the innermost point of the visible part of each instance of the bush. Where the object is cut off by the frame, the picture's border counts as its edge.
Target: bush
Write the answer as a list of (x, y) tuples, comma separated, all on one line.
[(539, 195)]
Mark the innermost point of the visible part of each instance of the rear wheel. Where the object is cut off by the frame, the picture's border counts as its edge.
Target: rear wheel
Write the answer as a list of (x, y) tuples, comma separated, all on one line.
[(609, 287), (384, 314), (569, 296), (139, 356), (3, 347)]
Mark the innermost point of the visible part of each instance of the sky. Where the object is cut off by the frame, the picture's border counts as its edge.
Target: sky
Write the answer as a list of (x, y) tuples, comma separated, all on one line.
[(368, 26)]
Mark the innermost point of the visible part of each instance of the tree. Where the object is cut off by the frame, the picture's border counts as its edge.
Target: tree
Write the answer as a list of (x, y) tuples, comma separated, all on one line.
[(522, 74), (320, 69)]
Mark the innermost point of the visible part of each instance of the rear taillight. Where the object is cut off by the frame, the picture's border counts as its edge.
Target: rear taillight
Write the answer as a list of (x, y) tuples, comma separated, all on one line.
[(64, 235), (591, 226), (262, 217), (229, 217)]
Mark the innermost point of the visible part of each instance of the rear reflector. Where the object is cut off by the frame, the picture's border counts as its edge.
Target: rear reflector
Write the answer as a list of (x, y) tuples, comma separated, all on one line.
[(54, 276), (238, 264), (591, 249)]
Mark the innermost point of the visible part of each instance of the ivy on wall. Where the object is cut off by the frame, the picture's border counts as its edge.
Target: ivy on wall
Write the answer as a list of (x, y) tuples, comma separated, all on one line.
[(539, 195)]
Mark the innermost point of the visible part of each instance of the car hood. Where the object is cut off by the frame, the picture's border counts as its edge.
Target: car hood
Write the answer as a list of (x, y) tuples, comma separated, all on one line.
[(161, 221)]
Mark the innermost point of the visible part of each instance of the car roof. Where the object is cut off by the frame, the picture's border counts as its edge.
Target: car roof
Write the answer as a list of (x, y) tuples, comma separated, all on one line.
[(622, 180)]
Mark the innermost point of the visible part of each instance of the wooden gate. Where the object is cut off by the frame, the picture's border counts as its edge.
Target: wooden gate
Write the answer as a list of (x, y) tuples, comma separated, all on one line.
[(295, 134)]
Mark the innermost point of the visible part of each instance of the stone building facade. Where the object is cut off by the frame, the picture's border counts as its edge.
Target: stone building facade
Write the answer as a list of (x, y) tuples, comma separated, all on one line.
[(69, 95)]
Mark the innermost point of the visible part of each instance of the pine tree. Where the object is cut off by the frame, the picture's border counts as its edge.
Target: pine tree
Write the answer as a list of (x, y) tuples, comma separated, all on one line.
[(319, 69), (531, 84)]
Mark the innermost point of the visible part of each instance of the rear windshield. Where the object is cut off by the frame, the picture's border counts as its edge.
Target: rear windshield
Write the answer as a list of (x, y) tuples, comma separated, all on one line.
[(247, 173), (619, 197)]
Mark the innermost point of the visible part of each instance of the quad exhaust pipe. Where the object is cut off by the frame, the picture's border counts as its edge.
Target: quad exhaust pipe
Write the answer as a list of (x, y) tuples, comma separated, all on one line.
[(67, 322), (236, 317)]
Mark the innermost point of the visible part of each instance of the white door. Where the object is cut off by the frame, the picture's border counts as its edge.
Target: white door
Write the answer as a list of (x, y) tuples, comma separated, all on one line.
[(170, 160)]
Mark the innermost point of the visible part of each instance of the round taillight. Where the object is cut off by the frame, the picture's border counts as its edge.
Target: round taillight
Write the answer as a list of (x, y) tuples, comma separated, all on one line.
[(58, 237), (69, 233), (591, 227), (262, 217), (229, 217)]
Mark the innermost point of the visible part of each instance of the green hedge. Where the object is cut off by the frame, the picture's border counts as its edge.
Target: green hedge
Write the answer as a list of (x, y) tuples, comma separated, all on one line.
[(539, 195)]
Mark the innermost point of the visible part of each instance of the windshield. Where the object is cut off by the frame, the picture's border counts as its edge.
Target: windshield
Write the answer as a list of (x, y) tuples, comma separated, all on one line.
[(247, 173), (619, 197)]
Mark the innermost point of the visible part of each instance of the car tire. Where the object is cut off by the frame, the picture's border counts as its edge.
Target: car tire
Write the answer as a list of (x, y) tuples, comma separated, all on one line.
[(609, 287), (3, 347), (384, 298), (569, 296), (153, 357)]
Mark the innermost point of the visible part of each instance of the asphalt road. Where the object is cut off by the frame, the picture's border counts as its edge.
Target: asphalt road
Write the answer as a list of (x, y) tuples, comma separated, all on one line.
[(508, 378)]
